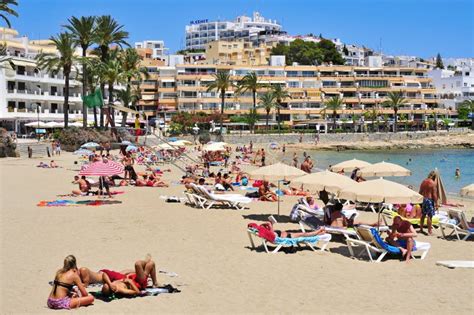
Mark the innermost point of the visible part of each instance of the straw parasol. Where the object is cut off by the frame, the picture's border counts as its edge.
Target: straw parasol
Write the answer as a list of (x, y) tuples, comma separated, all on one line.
[(468, 190), (380, 190), (277, 171), (326, 180), (349, 165), (384, 169)]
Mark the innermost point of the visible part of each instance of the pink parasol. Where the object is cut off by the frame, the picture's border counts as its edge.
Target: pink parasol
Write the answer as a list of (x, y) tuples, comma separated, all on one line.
[(102, 168)]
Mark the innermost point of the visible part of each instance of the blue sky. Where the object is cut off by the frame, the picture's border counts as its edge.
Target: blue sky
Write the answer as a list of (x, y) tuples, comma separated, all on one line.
[(410, 27)]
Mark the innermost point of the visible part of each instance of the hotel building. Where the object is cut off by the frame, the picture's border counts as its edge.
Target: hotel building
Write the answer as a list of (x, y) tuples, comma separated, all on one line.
[(453, 87), (201, 32)]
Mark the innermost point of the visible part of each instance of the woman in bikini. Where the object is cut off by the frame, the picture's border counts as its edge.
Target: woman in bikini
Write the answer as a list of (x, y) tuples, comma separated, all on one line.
[(62, 295)]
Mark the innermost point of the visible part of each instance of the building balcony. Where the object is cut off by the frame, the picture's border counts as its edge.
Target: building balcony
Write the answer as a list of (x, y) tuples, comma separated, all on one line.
[(44, 78), (41, 96)]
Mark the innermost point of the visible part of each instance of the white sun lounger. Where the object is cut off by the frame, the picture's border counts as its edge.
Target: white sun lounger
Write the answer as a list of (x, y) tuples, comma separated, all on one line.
[(323, 242), (234, 201), (373, 248), (451, 264), (458, 223)]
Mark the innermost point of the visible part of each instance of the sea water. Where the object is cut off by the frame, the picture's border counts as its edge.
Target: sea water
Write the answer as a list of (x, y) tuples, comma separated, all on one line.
[(420, 162)]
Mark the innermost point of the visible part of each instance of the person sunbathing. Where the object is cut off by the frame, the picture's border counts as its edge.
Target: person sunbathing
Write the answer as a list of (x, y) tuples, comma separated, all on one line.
[(42, 165), (339, 220), (62, 295), (131, 282), (53, 164), (410, 212), (401, 236), (84, 186), (292, 191), (265, 194), (287, 234)]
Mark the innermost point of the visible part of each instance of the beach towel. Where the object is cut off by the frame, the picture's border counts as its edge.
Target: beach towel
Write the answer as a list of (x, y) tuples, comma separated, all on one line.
[(147, 292), (68, 203), (295, 241)]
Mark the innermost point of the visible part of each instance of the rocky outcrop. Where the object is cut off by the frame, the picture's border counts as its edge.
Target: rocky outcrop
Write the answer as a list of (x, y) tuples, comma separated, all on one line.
[(7, 145)]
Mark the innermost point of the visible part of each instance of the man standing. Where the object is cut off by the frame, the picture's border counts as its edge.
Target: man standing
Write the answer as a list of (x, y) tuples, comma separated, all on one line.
[(430, 197), (137, 127)]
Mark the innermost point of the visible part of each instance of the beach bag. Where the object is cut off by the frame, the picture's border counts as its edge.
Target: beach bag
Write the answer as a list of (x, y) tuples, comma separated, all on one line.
[(253, 194), (173, 199)]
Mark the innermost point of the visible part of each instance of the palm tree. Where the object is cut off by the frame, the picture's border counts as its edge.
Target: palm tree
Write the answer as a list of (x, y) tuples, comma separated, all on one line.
[(221, 84), (280, 94), (129, 96), (267, 102), (94, 76), (112, 74), (108, 32), (5, 9), (132, 69), (469, 104), (82, 30), (334, 103), (65, 60), (250, 83), (395, 100)]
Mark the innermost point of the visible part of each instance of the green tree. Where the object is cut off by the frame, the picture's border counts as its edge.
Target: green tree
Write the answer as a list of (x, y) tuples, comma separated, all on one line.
[(128, 97), (395, 101), (439, 62), (345, 51), (334, 103), (64, 61), (250, 83), (280, 94), (82, 30), (330, 53), (466, 108), (267, 102), (113, 74), (5, 10), (108, 31), (309, 53), (221, 84)]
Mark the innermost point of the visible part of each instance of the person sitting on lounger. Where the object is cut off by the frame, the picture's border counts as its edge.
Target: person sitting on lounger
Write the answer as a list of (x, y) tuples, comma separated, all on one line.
[(264, 192), (131, 282), (402, 236), (62, 295), (339, 220), (409, 211)]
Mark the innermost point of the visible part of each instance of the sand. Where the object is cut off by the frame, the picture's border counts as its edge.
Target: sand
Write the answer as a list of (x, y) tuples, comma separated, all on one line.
[(209, 250)]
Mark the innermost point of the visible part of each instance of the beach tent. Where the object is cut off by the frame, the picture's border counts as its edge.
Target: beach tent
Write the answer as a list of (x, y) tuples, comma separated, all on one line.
[(326, 180), (384, 169), (468, 190), (380, 190), (349, 165), (279, 171)]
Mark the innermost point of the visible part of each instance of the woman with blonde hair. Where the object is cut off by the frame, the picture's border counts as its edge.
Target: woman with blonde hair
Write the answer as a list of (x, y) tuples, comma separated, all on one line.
[(62, 295)]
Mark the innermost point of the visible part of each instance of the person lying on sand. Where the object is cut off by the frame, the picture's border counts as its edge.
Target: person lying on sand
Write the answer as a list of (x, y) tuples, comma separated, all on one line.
[(62, 295), (53, 164), (265, 194), (402, 236), (150, 181), (292, 191)]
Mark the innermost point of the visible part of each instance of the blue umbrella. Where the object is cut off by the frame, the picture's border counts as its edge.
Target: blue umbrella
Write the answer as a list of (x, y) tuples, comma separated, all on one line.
[(172, 139), (83, 152), (90, 145), (131, 148), (125, 142)]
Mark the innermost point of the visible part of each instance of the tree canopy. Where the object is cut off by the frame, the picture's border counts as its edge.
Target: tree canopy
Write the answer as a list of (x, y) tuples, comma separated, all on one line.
[(309, 53)]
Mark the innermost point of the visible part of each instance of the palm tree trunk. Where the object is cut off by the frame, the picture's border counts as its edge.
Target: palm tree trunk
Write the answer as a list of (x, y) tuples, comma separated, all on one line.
[(103, 58), (102, 89), (266, 123), (278, 115), (111, 117), (84, 88), (334, 113), (95, 116), (254, 109), (66, 99), (222, 110), (395, 127)]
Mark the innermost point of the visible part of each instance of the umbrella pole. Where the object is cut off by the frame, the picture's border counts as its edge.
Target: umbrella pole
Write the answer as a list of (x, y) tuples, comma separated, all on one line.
[(278, 194)]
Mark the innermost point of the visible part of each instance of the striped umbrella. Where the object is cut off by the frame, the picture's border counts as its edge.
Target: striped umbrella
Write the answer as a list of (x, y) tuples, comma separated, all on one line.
[(102, 168)]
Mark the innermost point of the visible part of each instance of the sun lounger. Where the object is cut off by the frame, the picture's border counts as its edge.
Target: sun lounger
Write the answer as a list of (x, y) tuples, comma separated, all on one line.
[(323, 240), (458, 223), (451, 264), (372, 243), (391, 214), (230, 200)]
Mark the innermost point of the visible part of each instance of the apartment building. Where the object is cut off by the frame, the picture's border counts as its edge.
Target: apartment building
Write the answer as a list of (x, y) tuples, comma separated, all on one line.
[(237, 52), (156, 47), (184, 88), (453, 87), (200, 32)]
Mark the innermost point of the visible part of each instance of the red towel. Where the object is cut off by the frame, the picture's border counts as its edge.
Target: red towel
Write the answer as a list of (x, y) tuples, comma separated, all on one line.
[(264, 231)]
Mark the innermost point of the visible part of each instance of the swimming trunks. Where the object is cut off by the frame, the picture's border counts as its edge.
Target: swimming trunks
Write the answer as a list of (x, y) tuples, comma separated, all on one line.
[(428, 207), (58, 304)]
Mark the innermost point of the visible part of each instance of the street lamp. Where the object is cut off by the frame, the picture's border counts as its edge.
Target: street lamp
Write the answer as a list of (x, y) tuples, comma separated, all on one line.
[(38, 106)]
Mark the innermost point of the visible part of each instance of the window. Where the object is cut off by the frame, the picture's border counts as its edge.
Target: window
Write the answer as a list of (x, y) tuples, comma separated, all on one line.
[(373, 83), (293, 84)]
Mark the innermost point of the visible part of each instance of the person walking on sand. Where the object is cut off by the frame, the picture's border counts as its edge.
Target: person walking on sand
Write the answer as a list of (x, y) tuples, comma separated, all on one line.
[(295, 160), (430, 198)]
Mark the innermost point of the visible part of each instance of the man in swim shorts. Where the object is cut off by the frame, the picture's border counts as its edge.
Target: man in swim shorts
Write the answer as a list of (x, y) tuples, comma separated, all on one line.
[(430, 198)]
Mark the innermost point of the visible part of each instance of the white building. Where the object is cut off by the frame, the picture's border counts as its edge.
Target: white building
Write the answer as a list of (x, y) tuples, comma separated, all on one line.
[(453, 87), (157, 47), (200, 32)]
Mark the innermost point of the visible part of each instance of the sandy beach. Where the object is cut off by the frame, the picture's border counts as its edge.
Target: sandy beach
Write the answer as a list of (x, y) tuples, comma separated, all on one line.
[(209, 250)]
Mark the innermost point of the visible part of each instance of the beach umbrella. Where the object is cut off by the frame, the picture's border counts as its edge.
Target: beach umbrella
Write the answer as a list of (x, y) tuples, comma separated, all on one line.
[(216, 146), (131, 148), (326, 180), (90, 145), (172, 139), (279, 171), (349, 165), (380, 190), (384, 169), (83, 152), (102, 168), (468, 190), (125, 142)]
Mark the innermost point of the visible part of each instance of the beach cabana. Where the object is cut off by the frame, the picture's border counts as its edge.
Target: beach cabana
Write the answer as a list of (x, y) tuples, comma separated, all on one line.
[(278, 171), (349, 165), (326, 180), (384, 169), (468, 190)]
